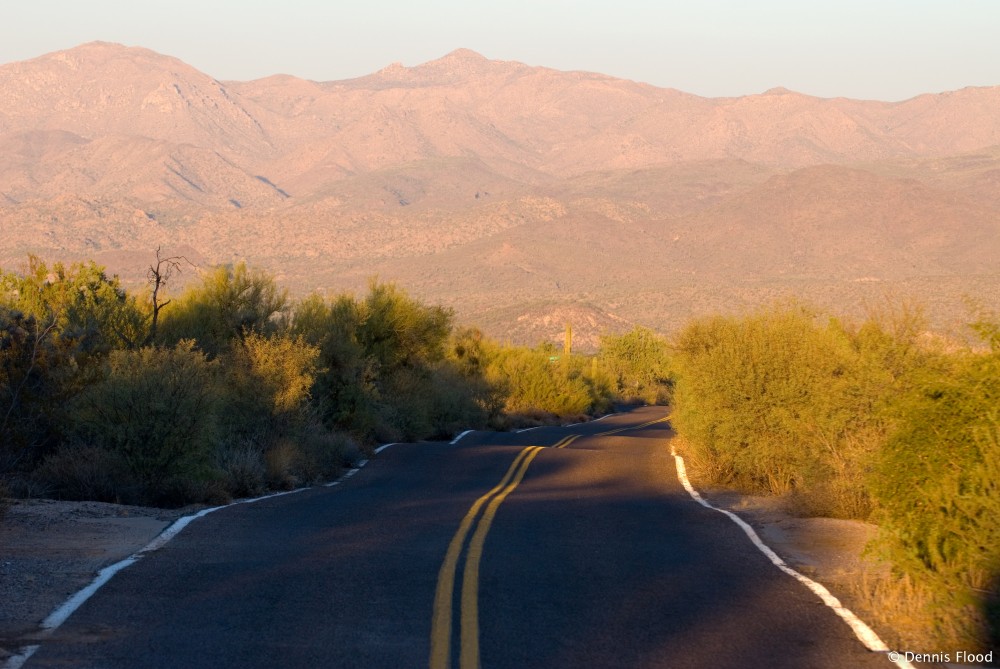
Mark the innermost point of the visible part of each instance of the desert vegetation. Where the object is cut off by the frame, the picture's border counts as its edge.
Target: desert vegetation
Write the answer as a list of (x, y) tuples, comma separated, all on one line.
[(870, 421), (231, 388)]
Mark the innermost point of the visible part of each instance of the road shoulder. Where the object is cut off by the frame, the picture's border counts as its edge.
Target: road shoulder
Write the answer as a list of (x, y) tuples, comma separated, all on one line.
[(51, 549)]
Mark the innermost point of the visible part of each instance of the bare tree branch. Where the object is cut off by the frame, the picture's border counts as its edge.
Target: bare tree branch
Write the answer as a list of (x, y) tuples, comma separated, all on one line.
[(158, 276)]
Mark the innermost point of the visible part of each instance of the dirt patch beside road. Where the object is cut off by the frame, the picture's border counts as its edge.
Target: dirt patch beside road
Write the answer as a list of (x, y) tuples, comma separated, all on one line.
[(49, 550)]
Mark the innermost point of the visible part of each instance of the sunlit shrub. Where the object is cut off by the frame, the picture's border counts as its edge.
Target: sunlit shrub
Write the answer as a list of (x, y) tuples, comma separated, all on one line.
[(80, 303), (937, 483), (781, 402), (266, 388), (539, 380), (230, 302), (639, 365)]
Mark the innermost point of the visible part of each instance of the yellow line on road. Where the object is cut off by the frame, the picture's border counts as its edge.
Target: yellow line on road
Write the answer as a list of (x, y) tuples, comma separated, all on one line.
[(560, 443), (441, 617), (567, 441), (469, 657), (441, 620)]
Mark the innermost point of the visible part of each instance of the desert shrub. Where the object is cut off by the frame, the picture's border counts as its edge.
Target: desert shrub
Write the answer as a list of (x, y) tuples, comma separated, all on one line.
[(81, 302), (31, 366), (937, 483), (325, 454), (56, 325), (282, 465), (266, 387), (639, 365), (430, 403), (781, 402), (344, 392), (241, 469), (459, 401), (384, 373), (230, 303), (538, 380), (747, 390), (155, 409), (404, 406), (399, 332), (311, 454), (84, 472), (469, 354)]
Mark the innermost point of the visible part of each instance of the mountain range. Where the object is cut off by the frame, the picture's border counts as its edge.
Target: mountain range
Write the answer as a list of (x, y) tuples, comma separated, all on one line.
[(523, 197)]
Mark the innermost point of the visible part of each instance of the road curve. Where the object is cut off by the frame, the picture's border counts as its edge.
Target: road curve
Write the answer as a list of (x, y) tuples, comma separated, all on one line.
[(557, 547)]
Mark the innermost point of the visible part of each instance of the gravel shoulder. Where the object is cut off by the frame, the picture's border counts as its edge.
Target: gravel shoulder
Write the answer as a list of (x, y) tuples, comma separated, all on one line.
[(51, 549)]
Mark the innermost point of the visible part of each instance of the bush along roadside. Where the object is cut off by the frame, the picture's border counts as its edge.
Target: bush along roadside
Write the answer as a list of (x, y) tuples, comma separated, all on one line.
[(232, 389), (869, 421)]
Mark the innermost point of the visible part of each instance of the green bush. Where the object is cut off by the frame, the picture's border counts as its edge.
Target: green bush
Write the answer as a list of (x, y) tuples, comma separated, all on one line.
[(937, 482), (156, 409), (266, 385), (780, 402), (230, 303), (397, 331), (82, 472), (469, 354), (81, 303), (30, 363), (752, 391), (539, 380), (639, 365), (56, 326), (384, 370)]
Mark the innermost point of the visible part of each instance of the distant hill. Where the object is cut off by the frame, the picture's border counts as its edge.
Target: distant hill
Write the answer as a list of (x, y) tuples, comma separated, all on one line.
[(518, 195)]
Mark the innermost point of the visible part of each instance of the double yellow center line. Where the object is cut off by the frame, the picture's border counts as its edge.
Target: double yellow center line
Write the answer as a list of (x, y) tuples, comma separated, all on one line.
[(441, 621)]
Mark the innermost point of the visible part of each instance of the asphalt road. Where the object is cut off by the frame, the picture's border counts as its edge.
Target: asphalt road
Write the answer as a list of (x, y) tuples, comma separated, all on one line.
[(582, 552)]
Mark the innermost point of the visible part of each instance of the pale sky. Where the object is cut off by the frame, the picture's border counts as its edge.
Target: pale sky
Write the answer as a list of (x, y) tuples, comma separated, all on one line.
[(869, 49)]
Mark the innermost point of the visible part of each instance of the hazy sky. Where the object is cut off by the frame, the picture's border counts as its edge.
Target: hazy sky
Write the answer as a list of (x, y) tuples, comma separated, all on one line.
[(875, 49)]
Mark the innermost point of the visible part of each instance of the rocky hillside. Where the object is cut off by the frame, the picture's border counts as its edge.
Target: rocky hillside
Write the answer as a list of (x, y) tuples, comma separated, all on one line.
[(518, 195)]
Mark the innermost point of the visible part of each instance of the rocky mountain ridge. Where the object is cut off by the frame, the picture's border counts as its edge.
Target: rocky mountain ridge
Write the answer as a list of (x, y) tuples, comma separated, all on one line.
[(495, 186)]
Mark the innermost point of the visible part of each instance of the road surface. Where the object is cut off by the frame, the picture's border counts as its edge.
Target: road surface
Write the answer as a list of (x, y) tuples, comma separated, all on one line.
[(556, 547)]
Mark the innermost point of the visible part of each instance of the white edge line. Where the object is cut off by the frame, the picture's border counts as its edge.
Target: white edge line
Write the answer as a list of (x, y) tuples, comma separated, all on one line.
[(539, 427), (588, 422), (865, 633), (384, 446), (67, 608), (23, 655), (59, 616), (456, 439)]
